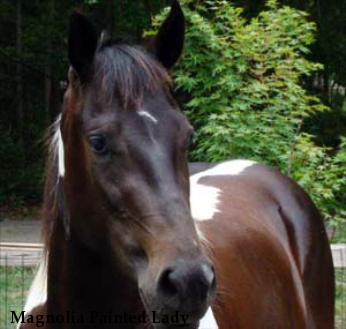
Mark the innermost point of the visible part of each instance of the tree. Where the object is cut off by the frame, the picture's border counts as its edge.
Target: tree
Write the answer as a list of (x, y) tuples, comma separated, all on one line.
[(330, 50), (242, 86)]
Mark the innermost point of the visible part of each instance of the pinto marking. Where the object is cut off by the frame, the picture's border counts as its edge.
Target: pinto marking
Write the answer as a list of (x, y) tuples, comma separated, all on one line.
[(147, 115), (204, 199), (204, 205), (208, 321)]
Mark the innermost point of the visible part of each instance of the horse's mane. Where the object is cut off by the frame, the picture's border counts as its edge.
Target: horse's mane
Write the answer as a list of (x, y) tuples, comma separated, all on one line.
[(122, 71), (53, 183)]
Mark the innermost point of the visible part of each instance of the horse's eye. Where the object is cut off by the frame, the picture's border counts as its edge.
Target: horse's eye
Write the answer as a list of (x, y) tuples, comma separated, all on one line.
[(98, 144)]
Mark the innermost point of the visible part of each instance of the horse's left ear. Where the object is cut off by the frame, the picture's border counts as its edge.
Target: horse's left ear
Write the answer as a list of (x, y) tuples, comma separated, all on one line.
[(169, 42), (82, 44)]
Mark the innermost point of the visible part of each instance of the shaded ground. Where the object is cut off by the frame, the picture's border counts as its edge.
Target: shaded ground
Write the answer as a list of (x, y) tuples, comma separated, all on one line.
[(20, 230)]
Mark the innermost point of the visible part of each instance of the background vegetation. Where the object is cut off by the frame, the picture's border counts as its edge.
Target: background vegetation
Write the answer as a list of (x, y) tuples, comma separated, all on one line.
[(259, 79), (246, 87), (15, 283)]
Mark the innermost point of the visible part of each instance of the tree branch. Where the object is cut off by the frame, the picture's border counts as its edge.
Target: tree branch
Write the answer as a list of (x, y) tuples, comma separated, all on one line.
[(26, 65)]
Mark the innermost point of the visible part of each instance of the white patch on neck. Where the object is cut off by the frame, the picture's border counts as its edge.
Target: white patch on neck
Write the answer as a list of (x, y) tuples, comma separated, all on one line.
[(204, 199), (58, 147), (208, 321), (148, 116), (38, 291), (232, 168)]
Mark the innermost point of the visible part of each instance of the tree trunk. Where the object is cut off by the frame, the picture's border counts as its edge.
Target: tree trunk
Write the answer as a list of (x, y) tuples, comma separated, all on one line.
[(48, 71), (19, 69), (110, 17), (326, 92)]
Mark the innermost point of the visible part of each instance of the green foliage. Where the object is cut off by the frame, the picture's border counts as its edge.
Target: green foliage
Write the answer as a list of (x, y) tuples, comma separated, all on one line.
[(323, 176), (18, 183), (241, 81), (340, 297), (8, 151), (14, 287)]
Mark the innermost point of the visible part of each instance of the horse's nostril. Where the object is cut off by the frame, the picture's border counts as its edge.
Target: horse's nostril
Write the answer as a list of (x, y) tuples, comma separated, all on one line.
[(168, 283), (186, 285), (188, 279)]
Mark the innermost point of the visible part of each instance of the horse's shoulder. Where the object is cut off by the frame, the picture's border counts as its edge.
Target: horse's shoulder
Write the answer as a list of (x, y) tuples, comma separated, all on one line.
[(252, 197), (249, 179)]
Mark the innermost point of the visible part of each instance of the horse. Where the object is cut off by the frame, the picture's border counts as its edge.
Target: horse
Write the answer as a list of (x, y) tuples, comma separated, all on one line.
[(131, 230)]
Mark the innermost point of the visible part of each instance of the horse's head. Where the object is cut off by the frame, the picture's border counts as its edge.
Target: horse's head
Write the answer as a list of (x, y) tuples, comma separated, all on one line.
[(125, 170)]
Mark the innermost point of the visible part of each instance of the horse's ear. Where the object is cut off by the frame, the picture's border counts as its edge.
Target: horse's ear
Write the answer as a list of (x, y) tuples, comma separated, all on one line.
[(169, 42), (82, 44)]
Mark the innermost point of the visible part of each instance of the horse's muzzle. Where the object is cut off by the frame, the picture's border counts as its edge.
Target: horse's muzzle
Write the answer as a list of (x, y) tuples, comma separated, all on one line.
[(184, 288)]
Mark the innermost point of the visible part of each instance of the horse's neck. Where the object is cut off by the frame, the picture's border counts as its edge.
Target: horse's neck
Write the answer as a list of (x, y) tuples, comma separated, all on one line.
[(80, 280)]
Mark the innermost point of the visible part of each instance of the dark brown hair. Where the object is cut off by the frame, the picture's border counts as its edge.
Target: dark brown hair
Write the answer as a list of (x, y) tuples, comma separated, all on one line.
[(127, 73)]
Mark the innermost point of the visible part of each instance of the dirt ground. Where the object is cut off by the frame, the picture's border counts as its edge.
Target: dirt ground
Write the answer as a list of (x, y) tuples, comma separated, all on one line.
[(20, 230)]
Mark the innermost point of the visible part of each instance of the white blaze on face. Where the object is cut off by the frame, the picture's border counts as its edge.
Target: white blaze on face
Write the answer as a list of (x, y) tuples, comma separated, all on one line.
[(204, 199), (147, 115)]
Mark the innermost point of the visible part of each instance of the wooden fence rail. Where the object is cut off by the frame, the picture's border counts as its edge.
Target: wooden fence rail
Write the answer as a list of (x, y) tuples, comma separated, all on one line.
[(29, 254)]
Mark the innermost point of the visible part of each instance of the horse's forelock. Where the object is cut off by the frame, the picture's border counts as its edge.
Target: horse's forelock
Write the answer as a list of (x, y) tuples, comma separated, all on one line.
[(128, 73)]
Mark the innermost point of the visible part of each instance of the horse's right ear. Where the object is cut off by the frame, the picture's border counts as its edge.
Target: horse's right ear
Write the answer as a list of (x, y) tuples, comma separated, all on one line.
[(82, 44)]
